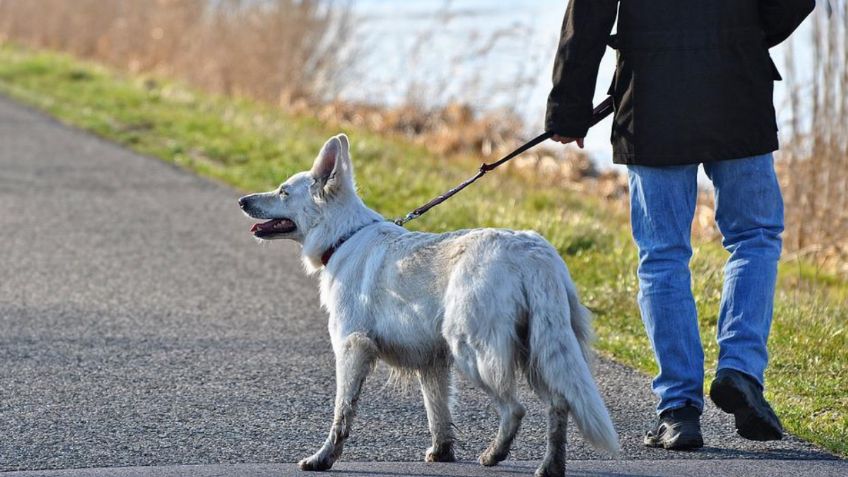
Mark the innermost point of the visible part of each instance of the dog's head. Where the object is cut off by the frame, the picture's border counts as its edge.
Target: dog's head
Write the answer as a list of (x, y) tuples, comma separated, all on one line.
[(300, 203)]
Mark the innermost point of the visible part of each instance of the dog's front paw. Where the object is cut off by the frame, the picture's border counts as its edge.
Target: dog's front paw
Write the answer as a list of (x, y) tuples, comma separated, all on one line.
[(440, 453), (316, 462)]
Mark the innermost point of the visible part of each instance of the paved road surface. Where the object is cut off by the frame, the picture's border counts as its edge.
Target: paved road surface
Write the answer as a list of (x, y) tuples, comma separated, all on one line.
[(141, 325), (582, 468)]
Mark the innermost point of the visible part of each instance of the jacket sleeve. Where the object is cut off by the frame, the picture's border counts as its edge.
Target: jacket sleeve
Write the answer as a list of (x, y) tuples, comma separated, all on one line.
[(585, 31), (781, 17)]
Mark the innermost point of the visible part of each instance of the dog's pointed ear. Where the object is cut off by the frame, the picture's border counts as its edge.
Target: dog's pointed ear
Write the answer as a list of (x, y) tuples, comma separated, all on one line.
[(332, 168), (345, 144)]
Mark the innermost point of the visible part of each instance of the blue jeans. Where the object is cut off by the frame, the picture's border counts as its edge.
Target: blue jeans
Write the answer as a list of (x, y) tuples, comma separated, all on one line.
[(749, 213)]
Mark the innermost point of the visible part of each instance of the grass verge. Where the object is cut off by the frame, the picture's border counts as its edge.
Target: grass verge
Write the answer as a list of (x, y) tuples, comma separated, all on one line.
[(252, 147)]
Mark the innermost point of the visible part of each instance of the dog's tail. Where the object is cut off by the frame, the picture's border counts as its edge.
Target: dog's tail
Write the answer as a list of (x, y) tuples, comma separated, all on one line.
[(560, 351)]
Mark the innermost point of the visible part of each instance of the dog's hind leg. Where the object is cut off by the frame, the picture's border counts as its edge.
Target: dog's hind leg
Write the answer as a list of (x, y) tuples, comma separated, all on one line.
[(436, 389), (495, 367), (511, 412), (490, 366), (553, 465), (354, 361)]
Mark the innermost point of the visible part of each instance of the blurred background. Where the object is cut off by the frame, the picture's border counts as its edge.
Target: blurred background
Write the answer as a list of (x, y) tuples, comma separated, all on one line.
[(457, 76)]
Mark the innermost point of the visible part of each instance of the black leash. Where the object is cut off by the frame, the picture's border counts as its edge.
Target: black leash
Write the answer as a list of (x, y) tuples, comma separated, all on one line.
[(600, 112)]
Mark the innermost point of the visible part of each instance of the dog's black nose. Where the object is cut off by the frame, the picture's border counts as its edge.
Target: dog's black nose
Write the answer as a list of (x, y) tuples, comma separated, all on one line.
[(243, 202)]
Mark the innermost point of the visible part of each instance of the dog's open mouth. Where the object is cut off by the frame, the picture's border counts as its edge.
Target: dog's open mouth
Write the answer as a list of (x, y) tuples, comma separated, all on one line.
[(273, 227)]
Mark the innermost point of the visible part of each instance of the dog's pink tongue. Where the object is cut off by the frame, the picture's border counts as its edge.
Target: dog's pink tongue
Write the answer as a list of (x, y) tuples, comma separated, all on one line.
[(263, 226), (279, 226)]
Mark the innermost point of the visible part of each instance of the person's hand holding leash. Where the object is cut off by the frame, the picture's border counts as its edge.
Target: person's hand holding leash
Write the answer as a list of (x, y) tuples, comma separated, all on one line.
[(566, 140)]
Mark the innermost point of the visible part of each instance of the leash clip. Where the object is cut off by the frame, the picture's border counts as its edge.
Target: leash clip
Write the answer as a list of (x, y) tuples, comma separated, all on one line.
[(403, 220)]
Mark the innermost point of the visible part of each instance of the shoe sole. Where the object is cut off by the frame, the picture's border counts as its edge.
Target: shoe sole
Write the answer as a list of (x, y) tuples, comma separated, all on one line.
[(752, 423), (681, 443)]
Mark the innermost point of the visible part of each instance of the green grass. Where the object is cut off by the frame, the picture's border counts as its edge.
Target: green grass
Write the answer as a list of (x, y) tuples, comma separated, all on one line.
[(253, 147)]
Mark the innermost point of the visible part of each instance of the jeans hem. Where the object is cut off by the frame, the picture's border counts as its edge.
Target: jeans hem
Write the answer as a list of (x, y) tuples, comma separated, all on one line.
[(677, 404)]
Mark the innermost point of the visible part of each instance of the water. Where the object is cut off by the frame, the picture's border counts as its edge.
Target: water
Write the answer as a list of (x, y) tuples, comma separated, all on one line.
[(465, 50)]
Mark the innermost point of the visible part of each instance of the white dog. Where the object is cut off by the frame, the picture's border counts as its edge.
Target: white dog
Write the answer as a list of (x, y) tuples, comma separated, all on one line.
[(494, 302)]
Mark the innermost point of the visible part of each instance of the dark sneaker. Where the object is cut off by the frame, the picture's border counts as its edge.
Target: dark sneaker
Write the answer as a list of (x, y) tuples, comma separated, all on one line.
[(677, 429), (738, 394)]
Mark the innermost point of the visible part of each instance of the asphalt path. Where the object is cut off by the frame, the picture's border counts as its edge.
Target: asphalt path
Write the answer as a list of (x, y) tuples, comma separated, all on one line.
[(141, 325)]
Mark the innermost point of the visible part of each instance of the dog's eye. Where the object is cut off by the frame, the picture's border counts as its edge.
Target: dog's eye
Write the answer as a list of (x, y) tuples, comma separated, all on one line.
[(283, 193)]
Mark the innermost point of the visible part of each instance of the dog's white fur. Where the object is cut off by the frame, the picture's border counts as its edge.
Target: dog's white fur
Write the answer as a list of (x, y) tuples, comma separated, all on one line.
[(493, 302)]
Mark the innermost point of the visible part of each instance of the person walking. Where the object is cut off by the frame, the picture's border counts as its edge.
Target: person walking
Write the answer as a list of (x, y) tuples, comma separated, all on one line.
[(693, 85)]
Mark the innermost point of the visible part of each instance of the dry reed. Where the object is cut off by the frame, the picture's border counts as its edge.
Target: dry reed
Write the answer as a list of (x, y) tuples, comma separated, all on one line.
[(282, 51), (814, 157), (299, 54)]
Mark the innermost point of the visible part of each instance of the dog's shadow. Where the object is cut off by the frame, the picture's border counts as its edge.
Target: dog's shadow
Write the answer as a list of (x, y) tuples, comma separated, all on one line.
[(474, 469), (712, 455)]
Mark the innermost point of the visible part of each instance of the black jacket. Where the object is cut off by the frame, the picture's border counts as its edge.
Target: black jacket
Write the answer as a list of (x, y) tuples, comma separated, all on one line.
[(693, 81)]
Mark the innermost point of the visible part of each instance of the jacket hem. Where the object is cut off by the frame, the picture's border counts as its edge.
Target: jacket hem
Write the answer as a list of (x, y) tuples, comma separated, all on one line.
[(686, 159)]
